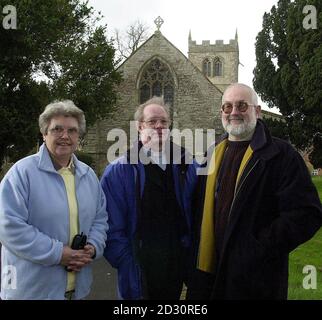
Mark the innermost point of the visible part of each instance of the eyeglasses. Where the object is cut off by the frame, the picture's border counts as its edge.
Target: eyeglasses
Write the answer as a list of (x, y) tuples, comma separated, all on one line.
[(58, 131), (153, 122), (241, 106)]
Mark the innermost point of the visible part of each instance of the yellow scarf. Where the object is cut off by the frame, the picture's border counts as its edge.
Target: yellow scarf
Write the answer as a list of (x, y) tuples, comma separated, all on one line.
[(206, 254)]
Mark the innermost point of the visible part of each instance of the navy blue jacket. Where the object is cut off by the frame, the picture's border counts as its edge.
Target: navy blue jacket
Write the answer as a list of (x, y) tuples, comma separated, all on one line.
[(120, 185)]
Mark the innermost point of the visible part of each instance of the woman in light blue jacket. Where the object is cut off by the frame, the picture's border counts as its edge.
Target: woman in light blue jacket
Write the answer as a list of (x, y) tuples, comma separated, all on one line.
[(45, 201)]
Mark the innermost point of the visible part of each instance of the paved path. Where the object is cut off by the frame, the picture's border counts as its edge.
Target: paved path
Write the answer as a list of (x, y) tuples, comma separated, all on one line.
[(104, 282)]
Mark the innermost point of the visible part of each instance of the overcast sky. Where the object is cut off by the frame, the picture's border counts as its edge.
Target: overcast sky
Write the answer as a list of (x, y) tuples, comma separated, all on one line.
[(207, 19)]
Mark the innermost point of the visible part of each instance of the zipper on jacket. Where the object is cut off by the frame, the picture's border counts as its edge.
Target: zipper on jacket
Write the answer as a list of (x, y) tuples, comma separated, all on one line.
[(238, 189), (231, 207)]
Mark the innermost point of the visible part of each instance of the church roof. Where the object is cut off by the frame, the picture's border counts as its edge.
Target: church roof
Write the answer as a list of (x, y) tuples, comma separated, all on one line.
[(158, 34)]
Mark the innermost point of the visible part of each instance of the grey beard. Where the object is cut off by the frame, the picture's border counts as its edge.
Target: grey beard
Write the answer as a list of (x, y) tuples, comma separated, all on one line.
[(242, 130)]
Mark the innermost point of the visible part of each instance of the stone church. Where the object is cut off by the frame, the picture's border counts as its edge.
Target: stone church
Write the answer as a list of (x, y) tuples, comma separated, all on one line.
[(192, 86)]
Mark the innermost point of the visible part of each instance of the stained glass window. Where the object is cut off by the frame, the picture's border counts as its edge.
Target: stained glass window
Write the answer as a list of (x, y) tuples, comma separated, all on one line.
[(157, 80), (145, 93)]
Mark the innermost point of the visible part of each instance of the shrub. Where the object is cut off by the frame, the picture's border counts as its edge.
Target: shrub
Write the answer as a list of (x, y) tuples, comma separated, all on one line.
[(85, 157)]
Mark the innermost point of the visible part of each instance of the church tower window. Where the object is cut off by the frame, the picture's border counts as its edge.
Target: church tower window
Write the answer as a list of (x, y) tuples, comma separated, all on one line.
[(206, 68), (157, 80), (218, 66)]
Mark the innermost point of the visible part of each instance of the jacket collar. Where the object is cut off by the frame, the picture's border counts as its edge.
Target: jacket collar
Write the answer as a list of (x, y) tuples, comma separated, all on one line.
[(45, 162), (261, 142), (178, 155), (57, 166)]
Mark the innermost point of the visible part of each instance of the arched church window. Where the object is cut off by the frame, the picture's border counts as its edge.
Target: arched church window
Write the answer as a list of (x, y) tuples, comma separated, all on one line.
[(218, 66), (206, 68), (157, 89), (157, 80), (145, 93)]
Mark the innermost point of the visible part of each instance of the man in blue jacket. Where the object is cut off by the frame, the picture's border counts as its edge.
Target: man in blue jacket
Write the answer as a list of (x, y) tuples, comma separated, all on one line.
[(149, 210)]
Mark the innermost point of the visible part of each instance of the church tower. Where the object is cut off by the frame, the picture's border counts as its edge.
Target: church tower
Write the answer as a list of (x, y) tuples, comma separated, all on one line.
[(218, 62)]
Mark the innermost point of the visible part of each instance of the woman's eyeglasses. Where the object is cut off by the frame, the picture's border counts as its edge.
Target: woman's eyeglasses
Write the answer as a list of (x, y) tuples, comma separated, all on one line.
[(58, 131)]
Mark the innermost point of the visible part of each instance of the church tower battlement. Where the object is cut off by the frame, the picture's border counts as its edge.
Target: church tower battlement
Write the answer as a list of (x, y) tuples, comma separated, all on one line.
[(218, 62)]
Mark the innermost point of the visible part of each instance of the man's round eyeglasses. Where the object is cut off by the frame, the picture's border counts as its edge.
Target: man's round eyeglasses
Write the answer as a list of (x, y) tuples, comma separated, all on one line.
[(241, 106), (58, 131), (154, 122)]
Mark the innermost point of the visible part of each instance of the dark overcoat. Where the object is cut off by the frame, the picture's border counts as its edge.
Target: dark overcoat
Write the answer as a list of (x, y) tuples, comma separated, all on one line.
[(275, 208)]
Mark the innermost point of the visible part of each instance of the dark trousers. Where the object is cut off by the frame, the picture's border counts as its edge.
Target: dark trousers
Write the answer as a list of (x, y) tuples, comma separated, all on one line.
[(200, 285), (169, 290), (163, 278)]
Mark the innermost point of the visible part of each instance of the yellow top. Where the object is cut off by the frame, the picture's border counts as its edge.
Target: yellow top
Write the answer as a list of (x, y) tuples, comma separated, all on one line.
[(206, 253), (69, 180)]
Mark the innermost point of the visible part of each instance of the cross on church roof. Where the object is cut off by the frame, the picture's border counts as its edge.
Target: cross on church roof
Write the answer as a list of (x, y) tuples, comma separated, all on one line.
[(158, 22)]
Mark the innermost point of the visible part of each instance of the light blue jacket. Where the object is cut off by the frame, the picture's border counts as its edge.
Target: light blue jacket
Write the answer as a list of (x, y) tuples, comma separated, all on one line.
[(34, 227)]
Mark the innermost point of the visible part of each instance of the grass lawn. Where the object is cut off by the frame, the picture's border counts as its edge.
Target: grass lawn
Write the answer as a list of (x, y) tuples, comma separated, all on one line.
[(310, 253), (318, 183)]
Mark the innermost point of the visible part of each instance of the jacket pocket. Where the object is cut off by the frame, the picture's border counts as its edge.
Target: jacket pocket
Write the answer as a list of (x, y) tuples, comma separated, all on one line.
[(245, 260)]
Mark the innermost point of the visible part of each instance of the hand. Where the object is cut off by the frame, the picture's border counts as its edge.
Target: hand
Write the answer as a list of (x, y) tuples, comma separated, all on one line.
[(75, 260), (90, 249)]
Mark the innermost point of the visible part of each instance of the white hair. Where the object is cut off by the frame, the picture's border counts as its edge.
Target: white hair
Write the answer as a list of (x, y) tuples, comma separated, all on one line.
[(65, 108)]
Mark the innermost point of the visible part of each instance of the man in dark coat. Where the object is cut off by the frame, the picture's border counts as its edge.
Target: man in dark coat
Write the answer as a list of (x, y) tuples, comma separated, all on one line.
[(254, 207)]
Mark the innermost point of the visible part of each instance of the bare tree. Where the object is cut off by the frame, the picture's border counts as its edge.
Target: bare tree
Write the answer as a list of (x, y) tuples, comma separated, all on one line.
[(128, 41)]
